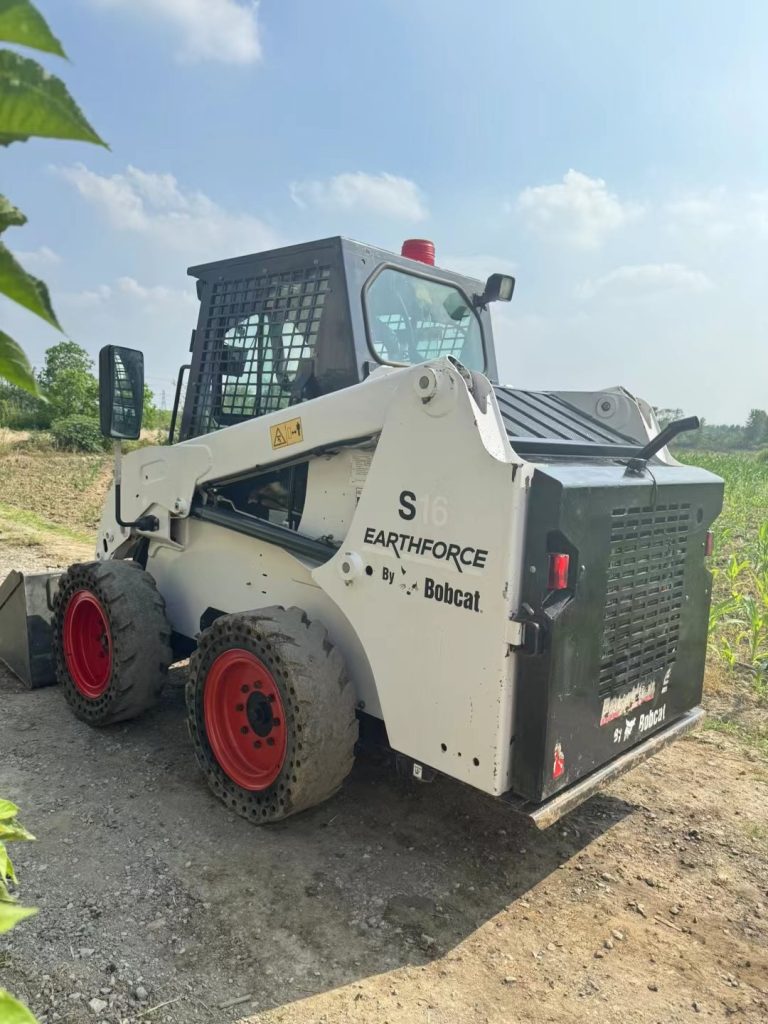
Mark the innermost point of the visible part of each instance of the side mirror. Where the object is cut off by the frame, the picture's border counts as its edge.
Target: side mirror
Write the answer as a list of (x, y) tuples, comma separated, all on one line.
[(121, 392), (498, 288)]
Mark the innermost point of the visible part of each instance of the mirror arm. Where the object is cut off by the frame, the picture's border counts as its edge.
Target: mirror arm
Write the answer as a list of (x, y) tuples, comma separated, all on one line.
[(148, 523)]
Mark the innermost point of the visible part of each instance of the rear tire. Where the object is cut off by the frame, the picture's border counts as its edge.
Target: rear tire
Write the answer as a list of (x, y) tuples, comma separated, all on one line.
[(111, 639), (271, 713)]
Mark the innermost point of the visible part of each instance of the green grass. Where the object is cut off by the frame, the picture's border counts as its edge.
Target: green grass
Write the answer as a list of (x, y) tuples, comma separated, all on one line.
[(755, 737), (11, 516), (739, 618), (755, 831), (62, 488)]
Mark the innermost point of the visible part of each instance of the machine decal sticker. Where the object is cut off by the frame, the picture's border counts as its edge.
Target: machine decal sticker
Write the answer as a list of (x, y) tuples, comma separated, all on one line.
[(287, 432), (558, 764), (407, 508), (360, 464), (665, 682), (407, 544), (623, 703), (446, 594), (432, 509), (652, 718)]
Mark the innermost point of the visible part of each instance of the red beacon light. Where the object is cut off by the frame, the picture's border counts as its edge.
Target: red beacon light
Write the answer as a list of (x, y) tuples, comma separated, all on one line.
[(419, 249), (559, 565)]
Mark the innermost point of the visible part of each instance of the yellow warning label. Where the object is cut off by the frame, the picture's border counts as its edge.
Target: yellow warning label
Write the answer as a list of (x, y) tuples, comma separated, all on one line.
[(288, 432)]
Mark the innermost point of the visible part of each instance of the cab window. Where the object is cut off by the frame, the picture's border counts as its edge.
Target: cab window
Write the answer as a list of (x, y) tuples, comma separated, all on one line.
[(412, 319)]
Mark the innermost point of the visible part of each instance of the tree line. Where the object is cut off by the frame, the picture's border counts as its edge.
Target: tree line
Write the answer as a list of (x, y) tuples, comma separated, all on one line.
[(71, 392), (721, 437)]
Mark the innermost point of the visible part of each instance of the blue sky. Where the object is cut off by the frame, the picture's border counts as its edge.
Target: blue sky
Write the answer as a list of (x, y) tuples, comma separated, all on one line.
[(613, 155)]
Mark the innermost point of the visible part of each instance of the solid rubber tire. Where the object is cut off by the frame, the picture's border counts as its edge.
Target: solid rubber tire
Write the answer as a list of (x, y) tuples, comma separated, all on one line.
[(318, 701), (140, 639)]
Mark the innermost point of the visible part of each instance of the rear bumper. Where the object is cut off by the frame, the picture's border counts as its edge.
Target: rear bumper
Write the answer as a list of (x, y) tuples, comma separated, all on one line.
[(547, 813)]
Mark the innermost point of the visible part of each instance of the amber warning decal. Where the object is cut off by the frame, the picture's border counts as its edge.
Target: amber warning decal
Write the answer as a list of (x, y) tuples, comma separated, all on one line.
[(288, 432)]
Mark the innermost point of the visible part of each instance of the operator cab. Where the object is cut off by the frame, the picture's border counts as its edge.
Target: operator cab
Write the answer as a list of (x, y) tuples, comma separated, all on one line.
[(280, 327)]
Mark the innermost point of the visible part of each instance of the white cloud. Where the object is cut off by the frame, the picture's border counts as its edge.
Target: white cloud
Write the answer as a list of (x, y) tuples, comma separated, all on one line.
[(579, 210), (757, 213), (127, 290), (479, 267), (156, 207), (215, 30), (642, 280), (37, 258), (153, 317), (87, 298), (154, 293), (712, 213), (719, 213), (383, 194)]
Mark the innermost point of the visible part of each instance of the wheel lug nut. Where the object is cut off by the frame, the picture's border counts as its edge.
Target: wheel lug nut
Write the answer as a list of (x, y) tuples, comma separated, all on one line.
[(257, 743), (243, 729), (271, 698), (244, 688), (270, 742), (275, 721), (239, 707)]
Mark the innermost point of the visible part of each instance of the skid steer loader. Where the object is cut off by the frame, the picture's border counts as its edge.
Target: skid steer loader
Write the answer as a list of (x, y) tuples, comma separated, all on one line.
[(355, 525)]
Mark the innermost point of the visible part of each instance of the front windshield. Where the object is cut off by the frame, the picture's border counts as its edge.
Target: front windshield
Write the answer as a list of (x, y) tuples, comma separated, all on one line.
[(412, 319)]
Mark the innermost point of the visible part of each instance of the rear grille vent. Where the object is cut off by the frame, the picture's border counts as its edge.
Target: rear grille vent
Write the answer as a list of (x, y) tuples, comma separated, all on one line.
[(646, 577)]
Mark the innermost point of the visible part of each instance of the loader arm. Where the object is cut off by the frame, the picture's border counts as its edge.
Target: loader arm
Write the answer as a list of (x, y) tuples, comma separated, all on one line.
[(162, 480)]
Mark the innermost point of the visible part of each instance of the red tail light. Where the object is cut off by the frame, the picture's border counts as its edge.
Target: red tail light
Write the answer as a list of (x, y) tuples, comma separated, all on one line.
[(558, 572), (709, 543)]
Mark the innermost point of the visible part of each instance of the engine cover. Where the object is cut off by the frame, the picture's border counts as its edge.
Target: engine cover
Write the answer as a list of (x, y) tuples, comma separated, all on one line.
[(623, 645)]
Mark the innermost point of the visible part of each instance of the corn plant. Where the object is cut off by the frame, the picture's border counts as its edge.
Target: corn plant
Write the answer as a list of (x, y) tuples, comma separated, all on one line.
[(11, 1010), (738, 620)]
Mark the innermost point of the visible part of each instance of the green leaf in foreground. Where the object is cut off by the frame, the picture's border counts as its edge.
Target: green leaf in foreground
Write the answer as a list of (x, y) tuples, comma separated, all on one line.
[(22, 23), (6, 867), (10, 215), (14, 366), (7, 810), (10, 915), (34, 102), (11, 831), (12, 1011), (28, 291)]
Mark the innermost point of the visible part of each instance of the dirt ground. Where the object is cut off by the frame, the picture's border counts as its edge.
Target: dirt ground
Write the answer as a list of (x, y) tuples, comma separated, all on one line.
[(386, 905)]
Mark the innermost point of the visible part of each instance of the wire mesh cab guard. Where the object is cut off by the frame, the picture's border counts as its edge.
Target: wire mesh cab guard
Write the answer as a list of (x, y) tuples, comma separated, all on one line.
[(279, 327)]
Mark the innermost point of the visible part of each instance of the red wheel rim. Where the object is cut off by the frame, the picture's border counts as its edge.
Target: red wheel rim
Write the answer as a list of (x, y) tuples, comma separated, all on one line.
[(244, 719), (87, 644)]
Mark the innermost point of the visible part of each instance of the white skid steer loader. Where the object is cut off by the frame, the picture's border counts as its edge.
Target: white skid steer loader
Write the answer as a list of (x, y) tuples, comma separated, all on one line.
[(358, 528)]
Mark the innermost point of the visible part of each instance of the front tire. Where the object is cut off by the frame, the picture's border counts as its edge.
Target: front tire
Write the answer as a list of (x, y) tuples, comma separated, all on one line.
[(271, 713), (112, 640)]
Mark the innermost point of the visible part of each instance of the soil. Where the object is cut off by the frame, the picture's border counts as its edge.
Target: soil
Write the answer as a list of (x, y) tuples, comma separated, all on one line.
[(389, 903)]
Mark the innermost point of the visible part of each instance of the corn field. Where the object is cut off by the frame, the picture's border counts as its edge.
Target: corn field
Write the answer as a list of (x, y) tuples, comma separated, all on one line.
[(738, 622)]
